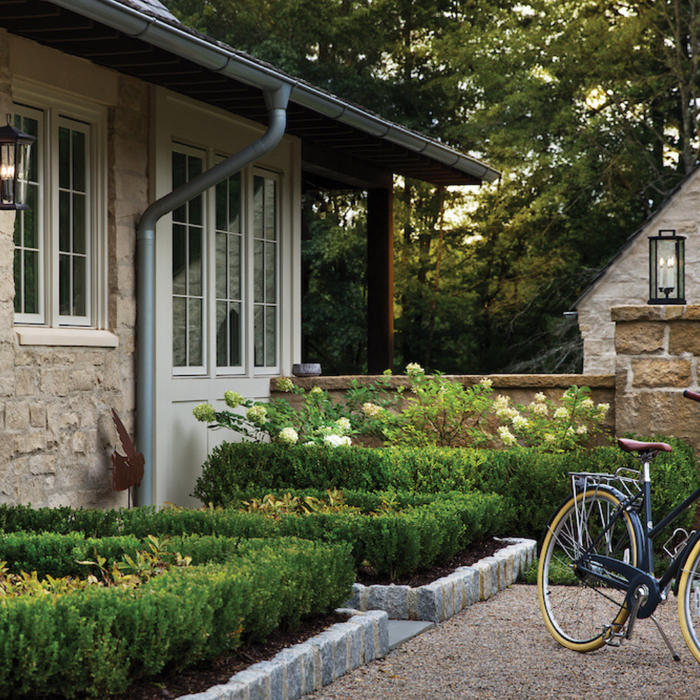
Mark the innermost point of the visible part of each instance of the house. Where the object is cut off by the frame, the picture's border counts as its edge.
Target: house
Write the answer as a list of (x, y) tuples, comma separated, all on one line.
[(159, 262), (625, 279)]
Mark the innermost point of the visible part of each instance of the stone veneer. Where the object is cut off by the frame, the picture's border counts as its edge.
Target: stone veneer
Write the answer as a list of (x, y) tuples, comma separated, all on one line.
[(56, 429), (657, 351)]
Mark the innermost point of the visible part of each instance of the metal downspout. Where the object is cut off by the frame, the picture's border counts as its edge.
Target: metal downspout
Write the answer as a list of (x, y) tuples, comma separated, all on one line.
[(276, 101)]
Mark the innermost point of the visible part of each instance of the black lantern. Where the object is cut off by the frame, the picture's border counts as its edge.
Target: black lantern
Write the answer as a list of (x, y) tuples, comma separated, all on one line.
[(14, 166), (667, 268)]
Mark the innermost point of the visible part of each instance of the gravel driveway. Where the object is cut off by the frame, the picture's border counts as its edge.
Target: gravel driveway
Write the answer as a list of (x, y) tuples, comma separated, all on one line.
[(500, 649)]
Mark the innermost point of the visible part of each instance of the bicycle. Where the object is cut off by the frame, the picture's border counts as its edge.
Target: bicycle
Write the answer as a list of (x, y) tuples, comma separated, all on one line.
[(596, 569)]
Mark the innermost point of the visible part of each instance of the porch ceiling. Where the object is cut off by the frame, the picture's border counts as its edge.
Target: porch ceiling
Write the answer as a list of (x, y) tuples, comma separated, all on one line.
[(47, 23)]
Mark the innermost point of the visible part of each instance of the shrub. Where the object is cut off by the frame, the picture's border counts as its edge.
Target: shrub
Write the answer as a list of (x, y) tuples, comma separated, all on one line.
[(96, 641), (531, 481)]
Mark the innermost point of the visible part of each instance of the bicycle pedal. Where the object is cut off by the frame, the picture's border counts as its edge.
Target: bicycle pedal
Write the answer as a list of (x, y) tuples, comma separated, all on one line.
[(612, 638)]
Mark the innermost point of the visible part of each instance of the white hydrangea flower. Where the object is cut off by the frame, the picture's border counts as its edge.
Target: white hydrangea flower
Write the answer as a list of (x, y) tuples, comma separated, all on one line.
[(371, 409), (233, 399), (549, 438), (540, 397), (413, 368), (486, 383), (507, 413), (342, 426), (337, 441), (288, 436), (257, 414), (501, 402), (603, 408), (562, 413), (540, 409), (520, 422), (204, 412), (581, 430), (316, 391), (506, 437), (285, 384), (587, 403)]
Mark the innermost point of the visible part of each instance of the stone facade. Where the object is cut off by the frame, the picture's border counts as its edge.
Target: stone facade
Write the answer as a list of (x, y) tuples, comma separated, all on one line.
[(626, 279), (56, 428), (657, 354)]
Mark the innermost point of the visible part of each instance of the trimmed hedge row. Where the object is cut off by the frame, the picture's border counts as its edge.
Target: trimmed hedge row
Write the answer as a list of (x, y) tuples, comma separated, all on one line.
[(429, 529), (97, 641), (532, 482)]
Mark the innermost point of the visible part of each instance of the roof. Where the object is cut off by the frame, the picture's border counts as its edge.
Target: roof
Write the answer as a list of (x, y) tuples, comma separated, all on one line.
[(143, 39)]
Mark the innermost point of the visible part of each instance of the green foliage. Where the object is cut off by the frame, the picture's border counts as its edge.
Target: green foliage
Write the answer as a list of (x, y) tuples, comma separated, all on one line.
[(532, 482), (439, 412), (96, 641)]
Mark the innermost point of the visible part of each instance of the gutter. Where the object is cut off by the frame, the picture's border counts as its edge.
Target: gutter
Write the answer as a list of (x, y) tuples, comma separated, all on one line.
[(222, 59), (276, 100)]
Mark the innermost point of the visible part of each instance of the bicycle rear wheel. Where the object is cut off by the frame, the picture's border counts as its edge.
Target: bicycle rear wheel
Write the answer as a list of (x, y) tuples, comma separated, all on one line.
[(689, 601), (575, 610)]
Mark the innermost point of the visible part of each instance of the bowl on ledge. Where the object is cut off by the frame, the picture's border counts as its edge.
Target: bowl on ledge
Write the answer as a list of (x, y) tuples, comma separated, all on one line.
[(306, 369)]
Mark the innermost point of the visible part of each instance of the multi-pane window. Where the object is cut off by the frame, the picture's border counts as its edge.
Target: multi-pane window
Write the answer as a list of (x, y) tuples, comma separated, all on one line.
[(73, 216), (188, 267), (225, 248), (265, 251), (55, 248), (229, 274), (29, 244)]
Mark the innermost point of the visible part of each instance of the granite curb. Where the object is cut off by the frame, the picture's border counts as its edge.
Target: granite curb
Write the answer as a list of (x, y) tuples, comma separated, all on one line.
[(440, 600), (343, 647), (304, 668)]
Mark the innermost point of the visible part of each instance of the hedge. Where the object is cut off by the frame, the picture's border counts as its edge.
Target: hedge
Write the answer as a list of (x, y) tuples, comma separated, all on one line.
[(96, 641), (531, 482), (428, 529)]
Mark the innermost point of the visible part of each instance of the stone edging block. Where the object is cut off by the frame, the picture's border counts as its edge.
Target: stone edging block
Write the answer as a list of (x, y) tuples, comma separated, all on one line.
[(445, 597), (306, 667)]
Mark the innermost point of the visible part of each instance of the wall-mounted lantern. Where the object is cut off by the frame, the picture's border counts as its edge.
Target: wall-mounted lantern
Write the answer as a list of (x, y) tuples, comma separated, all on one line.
[(667, 268), (14, 166)]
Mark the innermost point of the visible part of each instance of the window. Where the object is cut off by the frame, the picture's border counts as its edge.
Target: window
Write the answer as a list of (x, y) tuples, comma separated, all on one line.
[(188, 267), (224, 272), (57, 240), (265, 270)]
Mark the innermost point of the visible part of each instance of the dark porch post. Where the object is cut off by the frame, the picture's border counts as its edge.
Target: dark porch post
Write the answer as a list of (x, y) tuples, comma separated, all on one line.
[(380, 280)]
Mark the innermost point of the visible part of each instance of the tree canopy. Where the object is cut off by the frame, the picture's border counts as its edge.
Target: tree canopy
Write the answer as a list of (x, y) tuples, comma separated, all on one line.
[(588, 107)]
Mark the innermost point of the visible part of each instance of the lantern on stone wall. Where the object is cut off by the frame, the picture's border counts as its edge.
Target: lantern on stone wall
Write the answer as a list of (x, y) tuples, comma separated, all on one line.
[(667, 268), (14, 166)]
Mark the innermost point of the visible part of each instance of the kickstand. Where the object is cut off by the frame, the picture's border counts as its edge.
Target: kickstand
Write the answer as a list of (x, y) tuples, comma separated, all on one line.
[(666, 639)]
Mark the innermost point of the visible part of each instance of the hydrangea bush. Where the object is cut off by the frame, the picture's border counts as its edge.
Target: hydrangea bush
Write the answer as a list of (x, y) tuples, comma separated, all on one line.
[(435, 411)]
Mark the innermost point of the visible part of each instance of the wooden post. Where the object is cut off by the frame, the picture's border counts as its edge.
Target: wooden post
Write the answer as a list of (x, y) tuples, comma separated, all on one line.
[(380, 280)]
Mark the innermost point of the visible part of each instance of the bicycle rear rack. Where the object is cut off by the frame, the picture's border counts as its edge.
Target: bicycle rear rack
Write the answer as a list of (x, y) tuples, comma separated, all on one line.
[(625, 480)]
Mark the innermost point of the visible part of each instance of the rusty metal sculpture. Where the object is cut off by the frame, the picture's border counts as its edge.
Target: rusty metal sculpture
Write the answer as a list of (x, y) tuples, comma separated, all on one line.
[(128, 470)]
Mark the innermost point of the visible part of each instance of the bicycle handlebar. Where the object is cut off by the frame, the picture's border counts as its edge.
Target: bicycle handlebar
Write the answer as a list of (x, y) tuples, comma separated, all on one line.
[(691, 395)]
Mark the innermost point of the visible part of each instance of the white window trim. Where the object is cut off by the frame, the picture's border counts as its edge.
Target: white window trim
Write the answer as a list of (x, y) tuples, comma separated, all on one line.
[(55, 104)]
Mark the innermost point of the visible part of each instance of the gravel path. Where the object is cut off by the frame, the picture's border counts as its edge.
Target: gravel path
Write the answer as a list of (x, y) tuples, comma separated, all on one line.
[(500, 649)]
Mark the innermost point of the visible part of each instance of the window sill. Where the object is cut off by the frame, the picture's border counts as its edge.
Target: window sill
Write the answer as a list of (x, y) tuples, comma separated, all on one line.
[(66, 337)]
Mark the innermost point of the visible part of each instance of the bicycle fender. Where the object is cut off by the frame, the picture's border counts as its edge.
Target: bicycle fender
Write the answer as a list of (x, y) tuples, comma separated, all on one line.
[(692, 541)]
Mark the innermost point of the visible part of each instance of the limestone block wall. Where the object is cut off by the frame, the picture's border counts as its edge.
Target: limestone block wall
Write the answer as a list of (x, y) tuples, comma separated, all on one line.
[(626, 280), (56, 429), (657, 353)]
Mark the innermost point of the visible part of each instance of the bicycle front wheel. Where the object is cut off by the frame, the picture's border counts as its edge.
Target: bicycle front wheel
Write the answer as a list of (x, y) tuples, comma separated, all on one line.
[(689, 601), (581, 613)]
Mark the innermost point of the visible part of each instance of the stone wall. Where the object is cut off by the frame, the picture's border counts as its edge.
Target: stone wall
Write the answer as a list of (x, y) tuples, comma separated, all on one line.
[(626, 280), (56, 429), (657, 351)]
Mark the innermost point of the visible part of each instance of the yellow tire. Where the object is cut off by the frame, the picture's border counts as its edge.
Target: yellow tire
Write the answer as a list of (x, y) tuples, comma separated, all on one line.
[(580, 613), (689, 601)]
